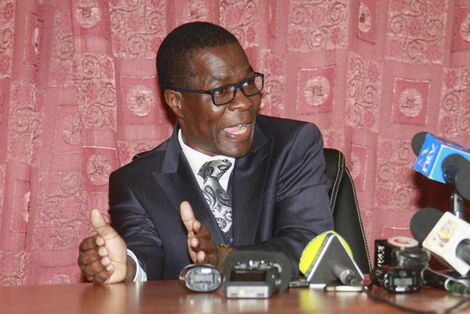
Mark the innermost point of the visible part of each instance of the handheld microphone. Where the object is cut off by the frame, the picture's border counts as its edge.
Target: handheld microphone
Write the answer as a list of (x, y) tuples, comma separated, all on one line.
[(444, 281), (445, 235), (328, 258), (443, 161)]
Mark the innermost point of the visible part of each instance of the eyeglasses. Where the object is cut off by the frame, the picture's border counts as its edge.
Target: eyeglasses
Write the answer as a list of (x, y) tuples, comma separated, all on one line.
[(225, 94)]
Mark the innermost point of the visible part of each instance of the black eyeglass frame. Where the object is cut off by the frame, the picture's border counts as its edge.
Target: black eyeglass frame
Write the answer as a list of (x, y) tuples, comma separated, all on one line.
[(238, 85)]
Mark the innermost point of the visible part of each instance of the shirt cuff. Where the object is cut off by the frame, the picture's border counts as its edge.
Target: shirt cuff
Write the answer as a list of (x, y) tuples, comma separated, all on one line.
[(140, 274)]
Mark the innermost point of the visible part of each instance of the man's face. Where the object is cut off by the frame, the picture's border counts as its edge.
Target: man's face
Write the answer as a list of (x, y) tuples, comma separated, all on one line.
[(219, 130)]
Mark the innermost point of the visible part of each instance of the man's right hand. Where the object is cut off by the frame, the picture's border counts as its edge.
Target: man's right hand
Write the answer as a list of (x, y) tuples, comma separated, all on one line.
[(103, 257)]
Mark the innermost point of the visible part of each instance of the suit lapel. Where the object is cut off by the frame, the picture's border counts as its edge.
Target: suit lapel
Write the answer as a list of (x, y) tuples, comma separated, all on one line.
[(177, 181), (248, 182)]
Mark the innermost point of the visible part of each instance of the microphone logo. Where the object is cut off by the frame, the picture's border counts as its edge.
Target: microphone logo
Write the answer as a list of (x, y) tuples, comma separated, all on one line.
[(428, 157), (443, 234)]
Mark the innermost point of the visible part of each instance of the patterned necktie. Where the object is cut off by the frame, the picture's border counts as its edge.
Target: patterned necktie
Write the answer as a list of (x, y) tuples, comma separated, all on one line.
[(216, 197)]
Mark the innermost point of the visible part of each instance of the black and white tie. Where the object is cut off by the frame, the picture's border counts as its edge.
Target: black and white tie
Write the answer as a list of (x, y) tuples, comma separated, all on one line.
[(216, 197)]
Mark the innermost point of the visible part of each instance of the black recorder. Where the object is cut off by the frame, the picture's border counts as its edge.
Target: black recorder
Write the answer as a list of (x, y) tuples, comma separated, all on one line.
[(397, 279), (398, 264), (255, 274)]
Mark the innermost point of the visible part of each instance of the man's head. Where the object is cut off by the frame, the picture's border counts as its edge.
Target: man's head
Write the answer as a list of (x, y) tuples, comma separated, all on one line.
[(173, 67), (198, 57)]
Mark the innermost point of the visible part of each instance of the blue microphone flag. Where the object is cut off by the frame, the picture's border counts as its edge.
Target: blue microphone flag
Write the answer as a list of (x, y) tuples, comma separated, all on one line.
[(432, 154)]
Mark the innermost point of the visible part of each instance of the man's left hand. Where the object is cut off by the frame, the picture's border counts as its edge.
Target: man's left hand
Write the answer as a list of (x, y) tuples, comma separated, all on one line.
[(201, 248)]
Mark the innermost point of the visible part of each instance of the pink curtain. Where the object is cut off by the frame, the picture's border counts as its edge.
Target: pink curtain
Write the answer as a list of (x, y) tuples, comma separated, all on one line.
[(78, 98)]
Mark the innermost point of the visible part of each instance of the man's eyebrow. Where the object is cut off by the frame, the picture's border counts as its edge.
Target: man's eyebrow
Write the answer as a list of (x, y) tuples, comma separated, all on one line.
[(218, 78)]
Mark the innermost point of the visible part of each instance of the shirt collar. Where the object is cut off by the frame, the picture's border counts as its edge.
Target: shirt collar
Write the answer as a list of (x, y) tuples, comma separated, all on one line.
[(196, 159)]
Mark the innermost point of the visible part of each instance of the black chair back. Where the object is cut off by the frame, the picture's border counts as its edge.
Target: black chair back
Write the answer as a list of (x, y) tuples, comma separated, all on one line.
[(345, 208)]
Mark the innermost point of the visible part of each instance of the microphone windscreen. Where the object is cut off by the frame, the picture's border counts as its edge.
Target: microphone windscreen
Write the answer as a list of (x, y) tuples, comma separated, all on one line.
[(423, 221), (315, 246), (418, 141), (456, 169)]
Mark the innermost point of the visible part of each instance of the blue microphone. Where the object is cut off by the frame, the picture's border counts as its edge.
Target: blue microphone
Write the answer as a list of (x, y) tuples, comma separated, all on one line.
[(443, 161)]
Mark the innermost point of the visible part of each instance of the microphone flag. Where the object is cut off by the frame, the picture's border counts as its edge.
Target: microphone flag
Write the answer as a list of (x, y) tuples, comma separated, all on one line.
[(328, 258), (432, 154)]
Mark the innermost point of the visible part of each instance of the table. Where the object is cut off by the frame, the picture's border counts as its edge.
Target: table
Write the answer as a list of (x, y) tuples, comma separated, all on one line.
[(171, 297)]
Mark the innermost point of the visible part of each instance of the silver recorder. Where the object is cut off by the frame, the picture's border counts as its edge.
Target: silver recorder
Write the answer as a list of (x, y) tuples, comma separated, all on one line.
[(201, 278)]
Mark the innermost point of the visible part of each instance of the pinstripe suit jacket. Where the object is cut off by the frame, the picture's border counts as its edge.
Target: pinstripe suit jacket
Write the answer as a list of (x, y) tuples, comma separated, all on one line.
[(279, 197)]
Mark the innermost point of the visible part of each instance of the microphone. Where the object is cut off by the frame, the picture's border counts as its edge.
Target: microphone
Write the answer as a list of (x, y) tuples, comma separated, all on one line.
[(327, 258), (445, 235), (443, 161), (445, 281)]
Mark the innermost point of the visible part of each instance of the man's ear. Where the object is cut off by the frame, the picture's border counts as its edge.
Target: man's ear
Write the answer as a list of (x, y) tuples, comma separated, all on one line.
[(175, 101)]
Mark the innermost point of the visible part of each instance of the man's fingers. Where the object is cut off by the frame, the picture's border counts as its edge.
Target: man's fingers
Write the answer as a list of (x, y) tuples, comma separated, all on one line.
[(101, 277), (110, 268), (100, 241), (87, 258), (201, 258), (200, 230), (102, 256), (100, 225), (92, 269), (194, 242), (88, 243), (105, 261), (206, 245), (197, 226), (200, 245), (187, 215), (102, 251)]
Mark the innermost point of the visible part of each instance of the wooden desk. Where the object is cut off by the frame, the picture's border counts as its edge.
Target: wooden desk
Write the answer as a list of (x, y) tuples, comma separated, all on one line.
[(171, 297)]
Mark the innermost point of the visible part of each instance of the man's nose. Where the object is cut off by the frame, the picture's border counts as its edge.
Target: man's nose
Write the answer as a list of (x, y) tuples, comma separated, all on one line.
[(242, 102)]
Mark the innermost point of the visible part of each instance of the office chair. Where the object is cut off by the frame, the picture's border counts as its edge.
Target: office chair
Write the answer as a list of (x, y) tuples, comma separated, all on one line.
[(345, 208)]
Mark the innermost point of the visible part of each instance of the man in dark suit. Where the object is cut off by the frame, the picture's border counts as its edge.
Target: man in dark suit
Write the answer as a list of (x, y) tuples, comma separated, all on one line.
[(240, 180)]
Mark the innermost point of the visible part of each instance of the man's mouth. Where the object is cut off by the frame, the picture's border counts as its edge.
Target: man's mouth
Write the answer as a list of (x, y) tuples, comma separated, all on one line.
[(238, 131)]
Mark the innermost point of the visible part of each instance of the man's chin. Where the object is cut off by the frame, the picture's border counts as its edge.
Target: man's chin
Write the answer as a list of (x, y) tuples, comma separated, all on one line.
[(236, 151), (235, 147)]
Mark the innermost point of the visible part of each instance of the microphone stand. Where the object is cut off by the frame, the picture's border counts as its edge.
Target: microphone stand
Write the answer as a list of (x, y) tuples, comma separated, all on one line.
[(456, 205)]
